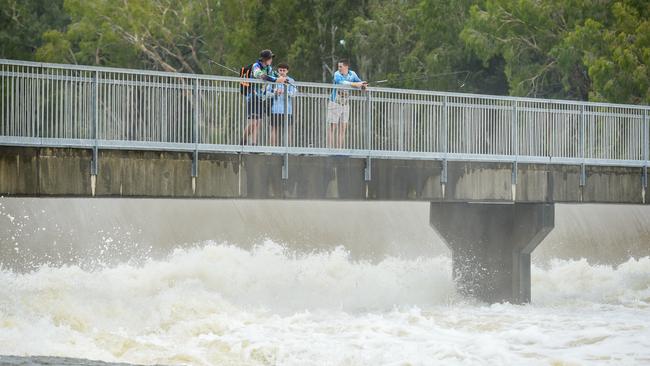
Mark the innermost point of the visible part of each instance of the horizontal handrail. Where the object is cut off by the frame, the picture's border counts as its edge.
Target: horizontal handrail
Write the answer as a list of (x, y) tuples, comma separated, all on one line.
[(303, 83)]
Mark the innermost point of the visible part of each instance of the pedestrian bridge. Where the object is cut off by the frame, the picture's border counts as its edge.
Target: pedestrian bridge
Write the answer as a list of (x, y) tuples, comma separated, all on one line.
[(87, 131), (80, 131)]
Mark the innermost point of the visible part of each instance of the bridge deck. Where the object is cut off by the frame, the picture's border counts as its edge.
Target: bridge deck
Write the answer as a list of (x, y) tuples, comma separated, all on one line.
[(66, 172)]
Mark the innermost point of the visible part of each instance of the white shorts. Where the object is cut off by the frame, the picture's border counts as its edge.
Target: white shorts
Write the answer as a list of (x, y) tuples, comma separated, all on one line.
[(337, 113)]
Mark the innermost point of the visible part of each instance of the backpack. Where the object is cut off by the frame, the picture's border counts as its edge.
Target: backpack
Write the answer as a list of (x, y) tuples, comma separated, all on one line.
[(246, 72)]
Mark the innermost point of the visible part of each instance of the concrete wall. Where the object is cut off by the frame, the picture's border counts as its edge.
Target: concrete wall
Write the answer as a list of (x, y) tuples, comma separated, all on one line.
[(66, 172)]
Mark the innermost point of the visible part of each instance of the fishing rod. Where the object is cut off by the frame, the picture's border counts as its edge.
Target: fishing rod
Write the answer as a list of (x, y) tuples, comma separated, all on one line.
[(424, 76), (237, 72), (420, 77), (225, 67)]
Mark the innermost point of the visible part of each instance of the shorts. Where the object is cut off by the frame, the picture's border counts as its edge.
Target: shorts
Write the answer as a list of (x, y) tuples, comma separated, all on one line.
[(256, 108), (277, 120), (337, 113)]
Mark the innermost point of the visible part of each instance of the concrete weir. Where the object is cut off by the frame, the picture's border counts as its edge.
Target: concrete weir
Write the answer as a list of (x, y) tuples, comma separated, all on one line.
[(491, 241), (491, 245)]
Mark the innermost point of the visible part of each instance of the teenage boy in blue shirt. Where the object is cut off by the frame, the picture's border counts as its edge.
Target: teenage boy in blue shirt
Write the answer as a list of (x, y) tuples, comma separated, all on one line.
[(338, 108), (276, 92)]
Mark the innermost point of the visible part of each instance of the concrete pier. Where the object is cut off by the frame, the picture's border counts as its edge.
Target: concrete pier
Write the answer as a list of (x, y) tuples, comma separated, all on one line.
[(491, 245)]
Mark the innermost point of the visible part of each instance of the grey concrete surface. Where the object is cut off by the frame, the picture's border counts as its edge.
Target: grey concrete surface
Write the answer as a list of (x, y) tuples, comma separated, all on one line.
[(491, 245), (66, 173)]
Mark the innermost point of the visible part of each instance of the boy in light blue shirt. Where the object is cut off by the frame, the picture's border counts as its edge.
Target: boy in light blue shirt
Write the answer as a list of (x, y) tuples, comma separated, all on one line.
[(338, 108), (276, 92)]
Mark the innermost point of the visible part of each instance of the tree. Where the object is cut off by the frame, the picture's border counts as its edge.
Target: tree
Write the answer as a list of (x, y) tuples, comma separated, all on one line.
[(441, 57), (416, 44), (22, 24), (381, 41), (169, 35), (321, 25), (617, 55), (573, 49), (528, 35)]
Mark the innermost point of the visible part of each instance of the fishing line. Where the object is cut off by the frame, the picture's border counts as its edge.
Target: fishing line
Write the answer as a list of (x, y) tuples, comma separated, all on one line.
[(425, 76), (225, 67)]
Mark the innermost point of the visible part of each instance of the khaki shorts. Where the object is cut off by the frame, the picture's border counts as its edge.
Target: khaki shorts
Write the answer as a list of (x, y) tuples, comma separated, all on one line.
[(337, 113)]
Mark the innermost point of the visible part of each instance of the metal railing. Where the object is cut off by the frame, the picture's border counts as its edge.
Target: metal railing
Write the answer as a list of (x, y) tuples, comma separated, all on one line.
[(107, 108)]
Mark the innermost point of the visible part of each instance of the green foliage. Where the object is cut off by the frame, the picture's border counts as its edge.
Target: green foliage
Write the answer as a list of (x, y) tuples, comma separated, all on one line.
[(169, 35), (577, 49), (22, 24), (415, 44), (617, 55), (321, 25), (378, 42), (528, 35)]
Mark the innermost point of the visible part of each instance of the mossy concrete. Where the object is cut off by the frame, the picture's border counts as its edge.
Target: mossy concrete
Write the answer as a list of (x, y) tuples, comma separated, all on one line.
[(66, 172)]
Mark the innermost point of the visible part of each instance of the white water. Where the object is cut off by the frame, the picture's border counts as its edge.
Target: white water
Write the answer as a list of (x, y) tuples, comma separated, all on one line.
[(218, 304)]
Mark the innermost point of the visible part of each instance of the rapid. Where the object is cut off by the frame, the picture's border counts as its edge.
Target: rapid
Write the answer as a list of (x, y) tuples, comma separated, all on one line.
[(332, 295)]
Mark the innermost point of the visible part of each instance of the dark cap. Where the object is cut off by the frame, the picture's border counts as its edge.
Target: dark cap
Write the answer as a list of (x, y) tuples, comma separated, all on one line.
[(266, 54)]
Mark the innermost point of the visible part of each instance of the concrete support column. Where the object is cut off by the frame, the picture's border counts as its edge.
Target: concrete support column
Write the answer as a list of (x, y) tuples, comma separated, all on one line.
[(491, 245)]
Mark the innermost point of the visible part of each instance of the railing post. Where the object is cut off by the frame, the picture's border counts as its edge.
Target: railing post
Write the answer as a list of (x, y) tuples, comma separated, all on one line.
[(163, 114), (285, 135), (515, 147), (400, 143), (37, 102), (583, 175), (367, 172), (195, 136), (94, 133), (444, 136), (646, 141)]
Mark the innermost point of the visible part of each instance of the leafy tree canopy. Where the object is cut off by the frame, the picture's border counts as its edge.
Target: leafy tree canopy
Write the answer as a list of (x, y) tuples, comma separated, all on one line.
[(574, 49)]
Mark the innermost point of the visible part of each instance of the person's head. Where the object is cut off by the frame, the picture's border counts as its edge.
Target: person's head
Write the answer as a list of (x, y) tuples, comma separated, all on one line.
[(266, 56), (283, 69), (343, 66)]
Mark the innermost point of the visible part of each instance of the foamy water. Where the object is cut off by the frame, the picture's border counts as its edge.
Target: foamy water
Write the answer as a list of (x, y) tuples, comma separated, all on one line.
[(218, 304)]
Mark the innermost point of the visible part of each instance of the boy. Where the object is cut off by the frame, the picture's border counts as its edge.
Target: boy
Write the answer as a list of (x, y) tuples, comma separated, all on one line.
[(255, 106), (338, 109), (276, 92)]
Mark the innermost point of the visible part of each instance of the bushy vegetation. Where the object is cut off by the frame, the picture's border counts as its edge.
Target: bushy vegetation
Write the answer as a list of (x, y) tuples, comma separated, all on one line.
[(573, 49)]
